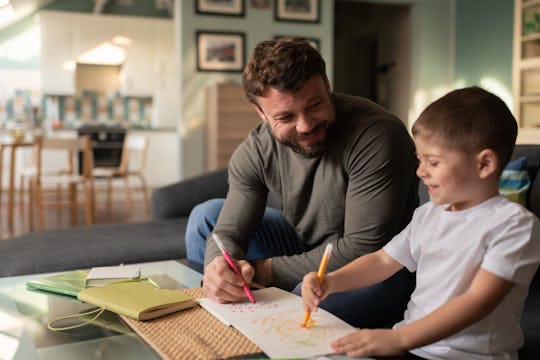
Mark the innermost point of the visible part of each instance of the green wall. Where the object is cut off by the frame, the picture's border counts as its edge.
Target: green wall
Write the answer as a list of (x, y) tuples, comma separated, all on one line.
[(484, 38), (137, 8)]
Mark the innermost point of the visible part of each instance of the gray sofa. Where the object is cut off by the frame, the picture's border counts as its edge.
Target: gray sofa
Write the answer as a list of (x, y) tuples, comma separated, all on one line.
[(162, 238)]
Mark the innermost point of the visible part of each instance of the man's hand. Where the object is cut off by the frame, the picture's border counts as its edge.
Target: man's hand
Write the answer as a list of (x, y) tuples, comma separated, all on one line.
[(376, 342), (221, 284)]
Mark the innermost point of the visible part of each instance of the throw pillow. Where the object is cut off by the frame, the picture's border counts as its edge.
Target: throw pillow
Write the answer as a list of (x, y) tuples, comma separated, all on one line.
[(515, 181)]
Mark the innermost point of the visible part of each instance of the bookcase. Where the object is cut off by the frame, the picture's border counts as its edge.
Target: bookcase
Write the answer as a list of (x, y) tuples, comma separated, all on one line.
[(229, 119), (526, 68)]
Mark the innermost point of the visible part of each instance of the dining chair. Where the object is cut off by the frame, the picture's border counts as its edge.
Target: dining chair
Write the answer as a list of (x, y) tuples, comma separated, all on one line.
[(71, 177), (132, 164)]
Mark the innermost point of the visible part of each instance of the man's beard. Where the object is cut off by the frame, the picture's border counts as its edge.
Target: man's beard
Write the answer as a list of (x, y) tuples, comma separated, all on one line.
[(310, 151)]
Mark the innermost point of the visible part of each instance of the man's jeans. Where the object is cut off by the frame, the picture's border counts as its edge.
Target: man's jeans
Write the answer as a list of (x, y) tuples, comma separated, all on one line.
[(379, 305)]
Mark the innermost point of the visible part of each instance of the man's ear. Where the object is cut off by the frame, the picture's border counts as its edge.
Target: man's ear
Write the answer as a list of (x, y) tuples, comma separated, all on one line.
[(260, 112), (487, 163), (328, 88)]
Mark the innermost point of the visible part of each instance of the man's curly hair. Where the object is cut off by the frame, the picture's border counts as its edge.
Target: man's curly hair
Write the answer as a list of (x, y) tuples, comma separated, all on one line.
[(284, 64)]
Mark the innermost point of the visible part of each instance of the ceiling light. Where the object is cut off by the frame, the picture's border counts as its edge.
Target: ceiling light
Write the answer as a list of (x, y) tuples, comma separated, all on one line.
[(104, 54)]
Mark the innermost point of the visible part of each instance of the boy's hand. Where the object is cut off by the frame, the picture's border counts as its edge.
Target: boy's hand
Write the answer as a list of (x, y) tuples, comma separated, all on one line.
[(368, 342), (312, 292), (221, 284)]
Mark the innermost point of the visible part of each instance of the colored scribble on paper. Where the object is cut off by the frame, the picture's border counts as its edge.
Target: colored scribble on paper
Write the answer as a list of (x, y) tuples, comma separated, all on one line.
[(288, 330), (274, 323), (251, 308)]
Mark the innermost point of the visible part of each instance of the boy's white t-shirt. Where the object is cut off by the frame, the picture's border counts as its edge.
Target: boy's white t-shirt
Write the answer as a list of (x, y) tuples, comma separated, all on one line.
[(447, 248)]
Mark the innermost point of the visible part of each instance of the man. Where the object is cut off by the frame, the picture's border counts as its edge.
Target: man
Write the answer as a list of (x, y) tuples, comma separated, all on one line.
[(343, 169)]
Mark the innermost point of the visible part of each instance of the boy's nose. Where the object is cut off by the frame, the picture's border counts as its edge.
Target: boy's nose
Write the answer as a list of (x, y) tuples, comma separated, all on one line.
[(420, 171)]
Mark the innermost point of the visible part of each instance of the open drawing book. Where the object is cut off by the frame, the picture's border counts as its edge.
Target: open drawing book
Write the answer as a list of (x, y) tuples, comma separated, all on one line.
[(274, 323)]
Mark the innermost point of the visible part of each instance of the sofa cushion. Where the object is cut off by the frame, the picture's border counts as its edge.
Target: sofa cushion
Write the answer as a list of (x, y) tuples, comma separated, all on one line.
[(515, 181), (97, 245)]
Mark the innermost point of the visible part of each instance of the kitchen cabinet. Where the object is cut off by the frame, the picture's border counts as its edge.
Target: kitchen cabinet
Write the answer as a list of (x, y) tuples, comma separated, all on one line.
[(57, 49), (526, 69), (149, 51), (229, 119)]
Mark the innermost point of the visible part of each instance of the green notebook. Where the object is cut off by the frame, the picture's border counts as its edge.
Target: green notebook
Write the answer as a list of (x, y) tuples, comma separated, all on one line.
[(137, 300), (67, 283)]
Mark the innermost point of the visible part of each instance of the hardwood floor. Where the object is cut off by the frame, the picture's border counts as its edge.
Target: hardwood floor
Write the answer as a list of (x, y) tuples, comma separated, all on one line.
[(121, 212)]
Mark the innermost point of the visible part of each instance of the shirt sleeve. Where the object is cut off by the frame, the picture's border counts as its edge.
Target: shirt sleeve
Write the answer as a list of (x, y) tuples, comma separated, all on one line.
[(399, 249), (514, 249)]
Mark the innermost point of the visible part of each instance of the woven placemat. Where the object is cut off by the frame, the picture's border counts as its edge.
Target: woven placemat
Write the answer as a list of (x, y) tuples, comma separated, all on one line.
[(192, 334)]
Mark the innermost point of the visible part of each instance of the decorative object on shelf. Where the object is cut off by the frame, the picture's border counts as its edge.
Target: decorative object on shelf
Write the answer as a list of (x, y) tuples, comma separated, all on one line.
[(313, 41), (298, 10), (222, 7), (220, 51)]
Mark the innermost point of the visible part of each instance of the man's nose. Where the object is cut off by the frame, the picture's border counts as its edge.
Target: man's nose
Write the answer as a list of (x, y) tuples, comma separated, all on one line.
[(304, 124)]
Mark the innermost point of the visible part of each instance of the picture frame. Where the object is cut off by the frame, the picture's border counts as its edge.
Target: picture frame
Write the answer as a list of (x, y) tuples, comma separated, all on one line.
[(316, 43), (220, 7), (220, 51), (297, 10)]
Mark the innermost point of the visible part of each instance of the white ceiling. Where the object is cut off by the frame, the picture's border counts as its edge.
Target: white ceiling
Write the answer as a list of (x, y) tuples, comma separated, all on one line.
[(21, 9)]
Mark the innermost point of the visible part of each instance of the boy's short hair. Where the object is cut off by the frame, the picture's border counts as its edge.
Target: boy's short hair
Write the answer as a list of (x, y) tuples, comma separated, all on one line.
[(470, 120), (284, 64)]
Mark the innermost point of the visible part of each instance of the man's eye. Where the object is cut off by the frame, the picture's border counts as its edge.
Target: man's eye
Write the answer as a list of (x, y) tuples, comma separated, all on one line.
[(285, 118)]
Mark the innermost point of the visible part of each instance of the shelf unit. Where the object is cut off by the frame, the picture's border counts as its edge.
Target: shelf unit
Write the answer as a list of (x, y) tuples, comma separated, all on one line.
[(229, 119), (526, 68)]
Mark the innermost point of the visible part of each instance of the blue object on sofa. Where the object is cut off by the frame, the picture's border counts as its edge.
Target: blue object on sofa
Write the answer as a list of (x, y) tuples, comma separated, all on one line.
[(162, 238)]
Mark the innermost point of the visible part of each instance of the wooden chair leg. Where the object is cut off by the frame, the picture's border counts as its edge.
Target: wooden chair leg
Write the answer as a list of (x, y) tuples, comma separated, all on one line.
[(59, 204), (21, 195), (89, 203), (128, 192), (145, 193), (109, 197), (39, 195), (73, 203), (31, 203), (1, 166)]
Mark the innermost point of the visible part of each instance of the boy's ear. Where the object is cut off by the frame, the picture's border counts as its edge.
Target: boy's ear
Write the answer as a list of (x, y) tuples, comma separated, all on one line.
[(260, 112), (487, 163)]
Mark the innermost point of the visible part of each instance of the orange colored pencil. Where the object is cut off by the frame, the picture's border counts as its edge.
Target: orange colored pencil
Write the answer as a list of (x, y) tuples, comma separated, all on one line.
[(320, 276)]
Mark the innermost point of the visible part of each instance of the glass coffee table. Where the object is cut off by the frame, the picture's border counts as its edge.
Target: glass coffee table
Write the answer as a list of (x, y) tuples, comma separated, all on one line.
[(24, 315)]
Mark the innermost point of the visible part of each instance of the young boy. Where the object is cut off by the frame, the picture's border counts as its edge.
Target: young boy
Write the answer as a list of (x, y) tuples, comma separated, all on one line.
[(474, 251)]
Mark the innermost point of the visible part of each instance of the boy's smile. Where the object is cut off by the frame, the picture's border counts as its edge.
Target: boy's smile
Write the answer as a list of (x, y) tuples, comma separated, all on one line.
[(452, 177)]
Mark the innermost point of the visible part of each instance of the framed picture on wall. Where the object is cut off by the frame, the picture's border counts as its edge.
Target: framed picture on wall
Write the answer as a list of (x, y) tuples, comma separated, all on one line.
[(220, 7), (220, 51), (313, 41), (297, 10)]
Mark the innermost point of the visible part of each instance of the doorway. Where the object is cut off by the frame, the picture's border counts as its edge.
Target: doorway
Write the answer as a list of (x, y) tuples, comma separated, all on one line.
[(372, 56)]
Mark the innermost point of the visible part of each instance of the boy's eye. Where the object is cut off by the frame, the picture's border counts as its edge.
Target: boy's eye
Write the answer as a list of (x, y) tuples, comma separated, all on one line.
[(314, 105), (433, 163)]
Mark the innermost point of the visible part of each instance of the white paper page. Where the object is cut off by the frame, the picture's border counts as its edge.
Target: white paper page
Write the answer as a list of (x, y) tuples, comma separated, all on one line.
[(274, 323)]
